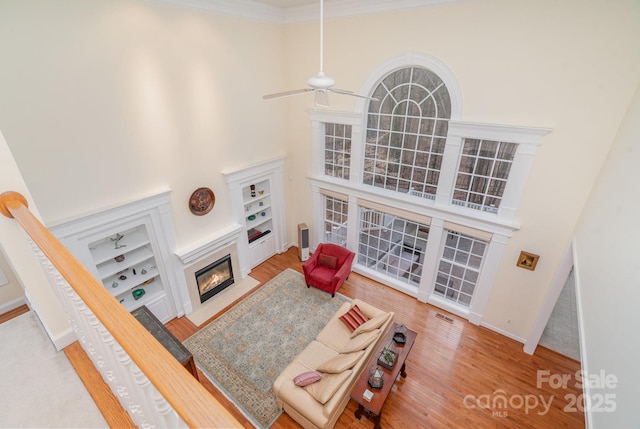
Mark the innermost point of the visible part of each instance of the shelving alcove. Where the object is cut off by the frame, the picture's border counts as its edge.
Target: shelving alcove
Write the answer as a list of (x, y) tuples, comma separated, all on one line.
[(257, 199), (127, 249)]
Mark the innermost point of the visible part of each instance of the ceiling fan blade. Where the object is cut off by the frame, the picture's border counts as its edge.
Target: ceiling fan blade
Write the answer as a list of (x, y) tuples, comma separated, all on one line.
[(321, 98), (353, 94), (286, 93)]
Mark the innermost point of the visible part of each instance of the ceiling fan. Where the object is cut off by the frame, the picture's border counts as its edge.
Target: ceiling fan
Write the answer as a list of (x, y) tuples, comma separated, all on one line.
[(320, 84)]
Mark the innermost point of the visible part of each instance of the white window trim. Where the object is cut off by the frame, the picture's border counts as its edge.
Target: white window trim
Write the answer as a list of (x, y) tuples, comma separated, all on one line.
[(500, 226), (412, 59), (320, 117), (527, 138)]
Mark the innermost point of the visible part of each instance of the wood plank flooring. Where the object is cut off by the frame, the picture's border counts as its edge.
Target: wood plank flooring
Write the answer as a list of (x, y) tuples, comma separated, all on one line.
[(459, 375)]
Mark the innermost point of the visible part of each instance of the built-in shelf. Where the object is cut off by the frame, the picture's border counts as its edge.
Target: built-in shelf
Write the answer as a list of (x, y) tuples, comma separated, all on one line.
[(124, 248), (257, 195), (127, 266)]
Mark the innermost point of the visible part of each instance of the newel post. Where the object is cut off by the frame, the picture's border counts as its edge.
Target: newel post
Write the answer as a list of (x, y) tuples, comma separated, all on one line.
[(11, 200)]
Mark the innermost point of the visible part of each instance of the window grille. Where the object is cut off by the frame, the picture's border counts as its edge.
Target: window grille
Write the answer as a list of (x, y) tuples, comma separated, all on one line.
[(337, 150), (392, 246), (459, 268), (482, 174), (335, 220), (406, 132)]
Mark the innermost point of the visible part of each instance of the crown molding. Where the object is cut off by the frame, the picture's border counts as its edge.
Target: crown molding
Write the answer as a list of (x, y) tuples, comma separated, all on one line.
[(255, 10)]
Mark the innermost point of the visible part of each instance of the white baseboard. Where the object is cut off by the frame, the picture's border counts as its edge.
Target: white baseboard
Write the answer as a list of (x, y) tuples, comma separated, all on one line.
[(64, 339), (503, 332), (8, 306)]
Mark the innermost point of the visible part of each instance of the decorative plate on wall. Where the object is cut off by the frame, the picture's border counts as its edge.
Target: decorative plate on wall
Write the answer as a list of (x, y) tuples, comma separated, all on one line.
[(201, 201)]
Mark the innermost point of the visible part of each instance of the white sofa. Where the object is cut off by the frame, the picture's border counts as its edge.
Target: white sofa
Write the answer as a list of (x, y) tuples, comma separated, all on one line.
[(333, 344)]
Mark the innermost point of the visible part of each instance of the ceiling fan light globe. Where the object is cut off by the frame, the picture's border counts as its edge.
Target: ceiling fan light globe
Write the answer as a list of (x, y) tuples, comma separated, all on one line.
[(321, 81)]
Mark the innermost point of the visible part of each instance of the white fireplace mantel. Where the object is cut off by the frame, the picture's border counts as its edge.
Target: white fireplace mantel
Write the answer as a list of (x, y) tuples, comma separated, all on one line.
[(208, 245)]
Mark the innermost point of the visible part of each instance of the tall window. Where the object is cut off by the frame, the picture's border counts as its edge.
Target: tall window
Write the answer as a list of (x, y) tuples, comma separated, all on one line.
[(337, 150), (392, 245), (335, 220), (406, 132), (459, 268), (482, 174)]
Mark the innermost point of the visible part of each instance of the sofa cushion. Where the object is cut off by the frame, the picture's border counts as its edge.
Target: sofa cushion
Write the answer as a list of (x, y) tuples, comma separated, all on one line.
[(374, 323), (328, 261), (324, 389), (354, 318), (341, 362), (360, 342)]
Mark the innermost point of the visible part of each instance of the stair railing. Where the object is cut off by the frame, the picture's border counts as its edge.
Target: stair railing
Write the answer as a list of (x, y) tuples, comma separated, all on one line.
[(151, 385)]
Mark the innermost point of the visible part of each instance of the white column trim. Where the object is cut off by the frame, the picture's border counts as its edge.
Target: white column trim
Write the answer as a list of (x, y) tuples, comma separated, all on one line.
[(431, 259), (491, 263)]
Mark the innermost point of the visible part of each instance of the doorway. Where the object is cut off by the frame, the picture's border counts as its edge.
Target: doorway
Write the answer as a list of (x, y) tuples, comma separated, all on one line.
[(561, 333)]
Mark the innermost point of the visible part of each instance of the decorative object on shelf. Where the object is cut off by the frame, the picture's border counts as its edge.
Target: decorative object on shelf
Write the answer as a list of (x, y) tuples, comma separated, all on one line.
[(399, 333), (134, 271), (260, 204), (146, 282), (114, 285), (116, 240), (247, 208), (201, 201), (122, 277), (261, 192), (119, 258), (253, 190), (143, 271), (263, 213), (252, 217), (375, 377), (137, 293), (528, 260), (388, 356)]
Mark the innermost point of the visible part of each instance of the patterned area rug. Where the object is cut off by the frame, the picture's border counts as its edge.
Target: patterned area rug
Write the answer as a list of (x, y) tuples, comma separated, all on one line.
[(244, 350)]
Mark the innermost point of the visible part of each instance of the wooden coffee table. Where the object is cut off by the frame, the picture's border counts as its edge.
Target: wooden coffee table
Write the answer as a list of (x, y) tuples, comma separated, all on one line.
[(373, 408)]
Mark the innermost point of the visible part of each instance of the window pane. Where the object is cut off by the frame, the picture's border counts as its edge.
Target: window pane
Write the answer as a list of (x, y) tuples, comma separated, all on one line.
[(392, 246), (337, 150), (420, 106), (335, 220), (458, 271), (489, 163)]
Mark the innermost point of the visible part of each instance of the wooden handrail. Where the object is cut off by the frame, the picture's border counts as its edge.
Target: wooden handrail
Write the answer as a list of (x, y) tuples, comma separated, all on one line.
[(193, 403)]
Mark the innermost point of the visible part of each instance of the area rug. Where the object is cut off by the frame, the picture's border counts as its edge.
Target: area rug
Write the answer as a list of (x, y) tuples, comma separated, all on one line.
[(243, 351)]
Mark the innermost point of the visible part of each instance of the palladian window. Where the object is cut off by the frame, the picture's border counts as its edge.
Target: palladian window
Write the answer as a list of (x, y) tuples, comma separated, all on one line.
[(426, 200), (406, 132)]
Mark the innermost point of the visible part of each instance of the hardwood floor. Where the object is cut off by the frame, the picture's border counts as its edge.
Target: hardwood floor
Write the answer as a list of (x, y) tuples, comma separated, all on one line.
[(13, 313), (459, 375)]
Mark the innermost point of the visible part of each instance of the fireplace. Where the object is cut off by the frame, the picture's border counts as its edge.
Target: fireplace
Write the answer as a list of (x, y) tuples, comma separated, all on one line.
[(214, 278)]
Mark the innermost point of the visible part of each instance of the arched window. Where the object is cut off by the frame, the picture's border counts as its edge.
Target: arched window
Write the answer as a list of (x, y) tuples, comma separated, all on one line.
[(406, 132)]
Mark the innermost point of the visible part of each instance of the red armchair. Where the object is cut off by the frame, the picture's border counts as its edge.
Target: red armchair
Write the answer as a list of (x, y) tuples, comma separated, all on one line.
[(328, 267)]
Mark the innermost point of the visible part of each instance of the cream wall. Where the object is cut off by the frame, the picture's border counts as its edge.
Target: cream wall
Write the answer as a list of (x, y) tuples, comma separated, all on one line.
[(23, 261), (104, 102), (571, 66), (11, 292), (607, 277)]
